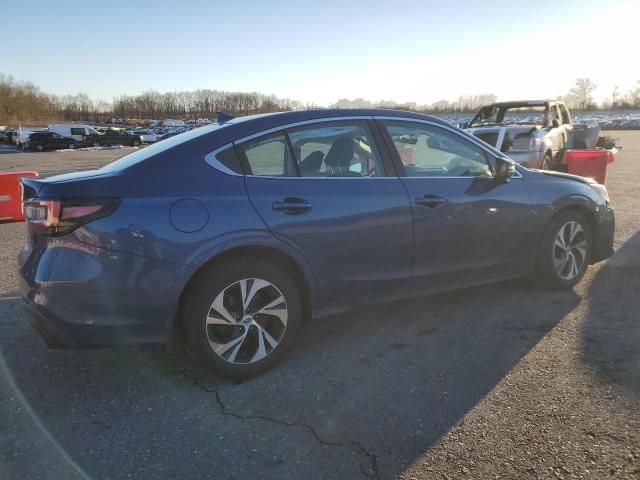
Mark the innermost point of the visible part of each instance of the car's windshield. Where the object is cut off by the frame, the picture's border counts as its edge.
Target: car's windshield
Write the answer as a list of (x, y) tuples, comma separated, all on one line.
[(495, 115)]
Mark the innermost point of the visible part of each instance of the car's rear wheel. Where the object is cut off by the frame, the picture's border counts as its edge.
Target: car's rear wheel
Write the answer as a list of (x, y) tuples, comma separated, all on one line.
[(96, 144), (564, 251), (39, 147), (71, 145), (136, 143), (241, 317)]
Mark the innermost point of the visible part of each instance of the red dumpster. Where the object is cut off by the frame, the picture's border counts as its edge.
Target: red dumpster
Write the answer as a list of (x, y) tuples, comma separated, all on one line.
[(11, 195), (589, 163)]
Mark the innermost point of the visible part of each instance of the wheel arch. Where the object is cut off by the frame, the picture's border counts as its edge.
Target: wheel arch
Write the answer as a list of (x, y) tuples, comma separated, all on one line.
[(302, 276), (579, 207)]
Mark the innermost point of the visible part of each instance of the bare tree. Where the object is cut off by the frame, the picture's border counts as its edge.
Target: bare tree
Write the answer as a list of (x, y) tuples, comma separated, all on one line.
[(581, 95)]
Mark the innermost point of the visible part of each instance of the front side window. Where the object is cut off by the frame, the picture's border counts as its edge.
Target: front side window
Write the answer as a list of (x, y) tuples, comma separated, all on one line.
[(431, 151), (270, 156), (336, 150)]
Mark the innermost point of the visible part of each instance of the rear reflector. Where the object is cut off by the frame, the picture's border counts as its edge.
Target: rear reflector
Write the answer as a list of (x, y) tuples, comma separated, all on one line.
[(56, 217)]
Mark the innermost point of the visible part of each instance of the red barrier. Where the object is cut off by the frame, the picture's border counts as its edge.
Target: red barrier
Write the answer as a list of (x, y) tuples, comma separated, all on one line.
[(11, 195), (589, 163)]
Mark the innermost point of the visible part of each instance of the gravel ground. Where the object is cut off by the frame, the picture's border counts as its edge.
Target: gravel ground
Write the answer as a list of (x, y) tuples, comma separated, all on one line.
[(500, 381)]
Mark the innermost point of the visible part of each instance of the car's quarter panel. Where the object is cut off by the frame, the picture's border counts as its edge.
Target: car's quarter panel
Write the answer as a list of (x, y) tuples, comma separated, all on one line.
[(99, 296)]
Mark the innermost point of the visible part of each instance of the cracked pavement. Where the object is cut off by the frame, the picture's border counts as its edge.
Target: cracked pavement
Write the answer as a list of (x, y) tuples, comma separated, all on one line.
[(499, 381)]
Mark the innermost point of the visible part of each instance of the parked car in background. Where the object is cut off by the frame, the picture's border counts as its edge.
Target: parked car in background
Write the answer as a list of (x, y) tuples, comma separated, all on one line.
[(21, 137), (533, 133), (147, 136), (40, 141), (6, 134), (113, 136), (234, 233), (75, 131)]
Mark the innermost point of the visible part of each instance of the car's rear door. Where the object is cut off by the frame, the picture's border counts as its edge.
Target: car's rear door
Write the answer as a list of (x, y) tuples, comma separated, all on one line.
[(466, 225), (323, 188)]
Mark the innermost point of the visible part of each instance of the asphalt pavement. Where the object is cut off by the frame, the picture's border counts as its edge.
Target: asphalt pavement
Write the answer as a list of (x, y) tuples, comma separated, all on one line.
[(499, 381)]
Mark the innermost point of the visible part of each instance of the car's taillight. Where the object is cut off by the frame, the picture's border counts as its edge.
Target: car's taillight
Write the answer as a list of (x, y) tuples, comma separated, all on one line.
[(56, 217)]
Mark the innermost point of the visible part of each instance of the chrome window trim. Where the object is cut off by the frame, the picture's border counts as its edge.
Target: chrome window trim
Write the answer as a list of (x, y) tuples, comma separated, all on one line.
[(310, 122), (473, 140), (212, 160), (297, 124)]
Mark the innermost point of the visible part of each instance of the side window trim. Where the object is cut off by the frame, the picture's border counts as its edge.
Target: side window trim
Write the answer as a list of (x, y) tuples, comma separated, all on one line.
[(488, 151), (397, 161), (369, 122), (292, 152), (212, 159), (244, 161)]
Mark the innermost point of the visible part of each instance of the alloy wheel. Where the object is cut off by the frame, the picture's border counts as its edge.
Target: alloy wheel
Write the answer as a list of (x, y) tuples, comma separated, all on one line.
[(570, 250), (246, 321)]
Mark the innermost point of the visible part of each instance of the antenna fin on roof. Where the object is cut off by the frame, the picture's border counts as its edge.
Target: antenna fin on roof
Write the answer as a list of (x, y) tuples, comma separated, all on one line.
[(222, 117)]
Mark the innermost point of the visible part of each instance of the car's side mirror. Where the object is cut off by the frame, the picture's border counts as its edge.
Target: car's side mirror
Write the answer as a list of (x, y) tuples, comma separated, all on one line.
[(555, 123), (505, 168)]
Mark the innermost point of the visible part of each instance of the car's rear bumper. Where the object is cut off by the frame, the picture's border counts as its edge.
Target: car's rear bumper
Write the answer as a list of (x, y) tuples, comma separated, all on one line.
[(77, 295), (58, 333), (603, 239)]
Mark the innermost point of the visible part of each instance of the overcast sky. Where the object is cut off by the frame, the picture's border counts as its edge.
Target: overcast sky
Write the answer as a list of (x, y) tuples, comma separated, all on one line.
[(320, 51)]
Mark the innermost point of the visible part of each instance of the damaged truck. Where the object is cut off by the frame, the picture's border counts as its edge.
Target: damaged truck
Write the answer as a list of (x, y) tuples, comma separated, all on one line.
[(533, 133)]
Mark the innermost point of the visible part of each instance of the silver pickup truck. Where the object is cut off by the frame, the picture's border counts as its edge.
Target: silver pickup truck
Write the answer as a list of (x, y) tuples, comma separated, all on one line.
[(533, 133)]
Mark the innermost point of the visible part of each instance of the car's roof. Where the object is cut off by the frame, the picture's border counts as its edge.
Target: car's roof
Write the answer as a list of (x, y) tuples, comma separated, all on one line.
[(523, 103), (275, 119)]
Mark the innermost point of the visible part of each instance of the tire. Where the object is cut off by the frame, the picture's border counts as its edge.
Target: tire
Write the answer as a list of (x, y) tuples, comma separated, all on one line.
[(96, 144), (39, 147), (546, 162), (136, 143), (71, 145), (241, 354), (563, 259)]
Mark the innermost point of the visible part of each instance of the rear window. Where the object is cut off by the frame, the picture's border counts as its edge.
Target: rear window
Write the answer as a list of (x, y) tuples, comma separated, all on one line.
[(148, 152)]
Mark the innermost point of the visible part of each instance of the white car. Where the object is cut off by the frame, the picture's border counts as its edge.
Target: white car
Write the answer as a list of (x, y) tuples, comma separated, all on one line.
[(147, 136), (72, 130)]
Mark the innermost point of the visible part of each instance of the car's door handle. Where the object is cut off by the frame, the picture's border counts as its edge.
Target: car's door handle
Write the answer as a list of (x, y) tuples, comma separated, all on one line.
[(291, 205), (430, 201)]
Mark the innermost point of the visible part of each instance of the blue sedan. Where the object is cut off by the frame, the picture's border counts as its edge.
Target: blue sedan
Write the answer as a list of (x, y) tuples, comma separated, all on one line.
[(233, 234)]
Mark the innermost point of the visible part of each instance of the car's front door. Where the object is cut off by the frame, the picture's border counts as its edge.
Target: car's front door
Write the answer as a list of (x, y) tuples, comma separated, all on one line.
[(323, 188), (466, 224)]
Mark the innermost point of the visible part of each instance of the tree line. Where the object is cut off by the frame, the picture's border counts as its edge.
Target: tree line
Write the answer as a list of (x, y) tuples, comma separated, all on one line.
[(25, 102)]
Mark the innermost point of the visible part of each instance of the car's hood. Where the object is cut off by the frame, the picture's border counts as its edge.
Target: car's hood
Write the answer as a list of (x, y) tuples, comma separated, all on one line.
[(568, 176)]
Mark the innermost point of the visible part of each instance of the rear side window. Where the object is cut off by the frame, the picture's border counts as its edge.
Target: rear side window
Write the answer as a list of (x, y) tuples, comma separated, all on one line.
[(229, 160), (77, 131), (270, 156)]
